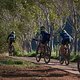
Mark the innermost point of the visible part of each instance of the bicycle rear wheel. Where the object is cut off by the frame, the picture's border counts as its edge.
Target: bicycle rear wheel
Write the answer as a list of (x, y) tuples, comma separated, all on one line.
[(67, 59), (11, 50), (47, 55), (38, 54), (61, 59), (78, 65)]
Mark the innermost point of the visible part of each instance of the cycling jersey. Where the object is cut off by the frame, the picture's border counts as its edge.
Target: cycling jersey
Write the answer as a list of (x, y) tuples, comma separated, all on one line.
[(45, 37)]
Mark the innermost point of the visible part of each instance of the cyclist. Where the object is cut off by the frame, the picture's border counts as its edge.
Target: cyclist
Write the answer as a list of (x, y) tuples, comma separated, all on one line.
[(66, 40), (11, 38), (43, 50), (44, 35)]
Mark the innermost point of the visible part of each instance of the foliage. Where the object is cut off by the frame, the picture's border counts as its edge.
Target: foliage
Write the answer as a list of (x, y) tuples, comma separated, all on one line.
[(74, 58), (26, 16), (15, 62)]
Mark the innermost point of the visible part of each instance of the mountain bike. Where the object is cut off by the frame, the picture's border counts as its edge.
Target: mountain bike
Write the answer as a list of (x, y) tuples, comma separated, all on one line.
[(43, 51), (64, 54)]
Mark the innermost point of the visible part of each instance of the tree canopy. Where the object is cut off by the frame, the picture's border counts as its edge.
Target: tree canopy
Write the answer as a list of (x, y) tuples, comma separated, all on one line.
[(26, 16)]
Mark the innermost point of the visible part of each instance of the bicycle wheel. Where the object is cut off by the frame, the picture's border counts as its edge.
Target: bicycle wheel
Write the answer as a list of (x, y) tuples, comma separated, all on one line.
[(11, 50), (38, 54), (67, 59), (78, 65), (61, 57), (47, 55), (61, 60)]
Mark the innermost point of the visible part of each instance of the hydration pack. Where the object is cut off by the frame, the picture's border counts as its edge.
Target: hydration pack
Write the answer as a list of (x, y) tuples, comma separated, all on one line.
[(12, 37), (45, 37)]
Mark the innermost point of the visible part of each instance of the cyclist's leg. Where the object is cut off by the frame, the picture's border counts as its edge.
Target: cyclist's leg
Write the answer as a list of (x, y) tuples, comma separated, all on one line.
[(10, 43), (38, 52), (42, 43), (38, 48)]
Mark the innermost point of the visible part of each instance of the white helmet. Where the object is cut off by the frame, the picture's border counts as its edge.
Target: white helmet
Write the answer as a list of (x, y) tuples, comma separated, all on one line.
[(13, 32)]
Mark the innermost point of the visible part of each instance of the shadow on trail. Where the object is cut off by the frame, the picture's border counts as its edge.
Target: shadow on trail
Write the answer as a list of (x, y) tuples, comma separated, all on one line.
[(71, 68), (53, 72)]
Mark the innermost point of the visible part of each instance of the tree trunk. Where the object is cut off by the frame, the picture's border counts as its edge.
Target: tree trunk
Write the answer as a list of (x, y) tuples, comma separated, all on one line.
[(75, 43)]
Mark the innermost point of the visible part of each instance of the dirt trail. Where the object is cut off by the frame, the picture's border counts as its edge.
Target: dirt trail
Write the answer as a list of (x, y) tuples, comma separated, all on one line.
[(72, 67), (51, 71)]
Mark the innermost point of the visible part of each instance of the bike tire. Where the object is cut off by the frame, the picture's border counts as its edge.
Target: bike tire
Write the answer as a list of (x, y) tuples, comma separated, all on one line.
[(47, 55), (78, 65), (38, 55), (11, 50), (61, 60), (67, 62)]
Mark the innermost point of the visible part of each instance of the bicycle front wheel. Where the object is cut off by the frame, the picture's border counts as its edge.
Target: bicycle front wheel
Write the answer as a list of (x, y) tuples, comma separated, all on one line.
[(38, 54), (67, 59), (11, 50), (47, 55), (78, 65), (61, 59)]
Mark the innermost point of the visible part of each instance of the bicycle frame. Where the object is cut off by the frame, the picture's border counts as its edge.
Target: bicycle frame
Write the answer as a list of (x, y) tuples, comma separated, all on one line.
[(11, 48), (44, 51), (64, 54)]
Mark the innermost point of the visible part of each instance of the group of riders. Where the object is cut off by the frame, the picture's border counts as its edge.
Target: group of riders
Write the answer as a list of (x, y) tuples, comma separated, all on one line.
[(45, 38)]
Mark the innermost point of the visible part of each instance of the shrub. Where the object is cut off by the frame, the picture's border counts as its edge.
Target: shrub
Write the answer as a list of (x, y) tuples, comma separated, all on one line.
[(74, 58)]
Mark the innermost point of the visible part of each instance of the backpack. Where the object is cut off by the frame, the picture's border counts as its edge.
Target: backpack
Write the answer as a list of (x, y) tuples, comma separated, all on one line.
[(12, 37), (46, 37)]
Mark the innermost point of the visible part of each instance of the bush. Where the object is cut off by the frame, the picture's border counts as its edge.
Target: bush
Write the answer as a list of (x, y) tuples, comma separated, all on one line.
[(31, 54), (18, 62), (54, 55), (11, 62), (74, 58), (18, 53)]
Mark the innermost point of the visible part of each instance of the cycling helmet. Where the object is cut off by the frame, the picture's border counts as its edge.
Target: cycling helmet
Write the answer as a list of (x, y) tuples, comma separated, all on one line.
[(13, 32), (65, 31), (42, 28)]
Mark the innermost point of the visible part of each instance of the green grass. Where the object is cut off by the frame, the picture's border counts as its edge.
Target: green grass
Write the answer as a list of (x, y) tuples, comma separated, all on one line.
[(31, 54), (74, 58), (10, 61), (54, 55), (25, 53)]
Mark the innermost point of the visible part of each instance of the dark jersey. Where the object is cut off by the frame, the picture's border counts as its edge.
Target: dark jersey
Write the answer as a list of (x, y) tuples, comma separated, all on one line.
[(12, 37), (45, 37), (65, 38)]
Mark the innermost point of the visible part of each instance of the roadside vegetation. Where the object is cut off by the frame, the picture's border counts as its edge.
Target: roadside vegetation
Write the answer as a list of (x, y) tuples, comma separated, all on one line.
[(7, 61), (54, 55), (26, 16)]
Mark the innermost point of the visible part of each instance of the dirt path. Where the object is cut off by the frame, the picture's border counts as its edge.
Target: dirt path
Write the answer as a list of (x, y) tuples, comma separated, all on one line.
[(72, 67), (51, 71)]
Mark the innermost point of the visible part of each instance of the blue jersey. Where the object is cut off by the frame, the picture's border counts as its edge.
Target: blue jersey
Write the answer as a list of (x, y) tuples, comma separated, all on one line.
[(12, 37), (64, 35), (45, 37)]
